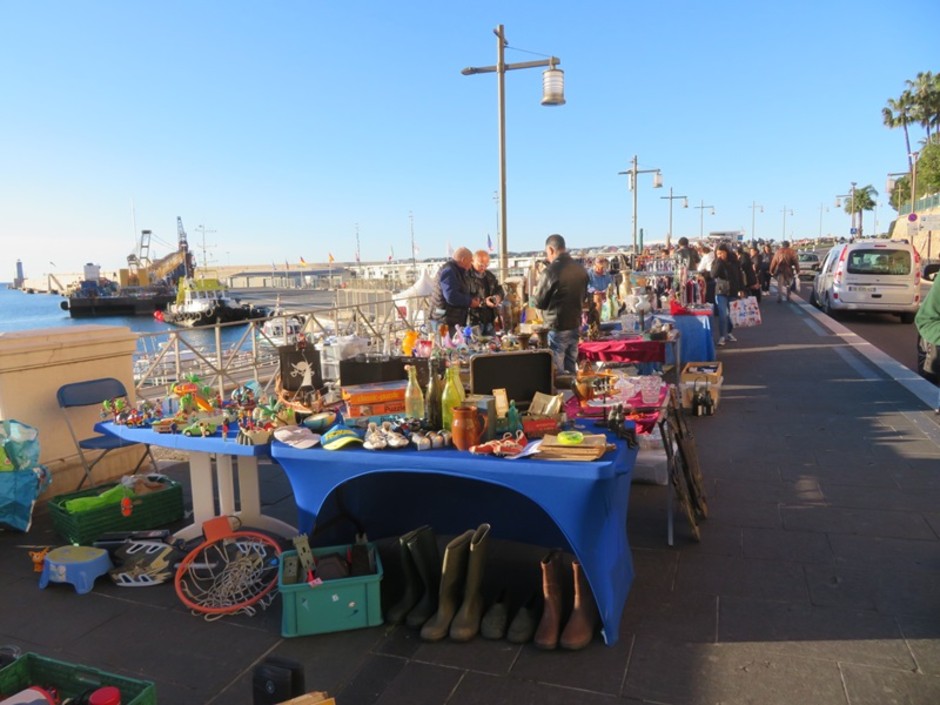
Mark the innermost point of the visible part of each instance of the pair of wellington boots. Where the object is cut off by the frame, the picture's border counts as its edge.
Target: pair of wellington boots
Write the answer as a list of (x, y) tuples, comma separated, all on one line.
[(460, 600), (579, 629), (421, 566), (520, 629)]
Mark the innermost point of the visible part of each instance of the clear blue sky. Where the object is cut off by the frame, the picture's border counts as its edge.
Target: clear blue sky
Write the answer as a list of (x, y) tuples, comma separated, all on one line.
[(279, 127)]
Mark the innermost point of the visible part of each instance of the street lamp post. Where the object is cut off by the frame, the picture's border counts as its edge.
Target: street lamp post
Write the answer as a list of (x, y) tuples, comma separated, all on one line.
[(850, 195), (553, 93), (821, 207), (685, 204), (701, 218), (754, 206), (657, 183), (785, 209)]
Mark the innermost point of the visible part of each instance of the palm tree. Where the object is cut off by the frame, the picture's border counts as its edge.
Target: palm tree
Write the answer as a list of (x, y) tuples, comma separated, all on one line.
[(899, 113), (924, 93), (864, 200)]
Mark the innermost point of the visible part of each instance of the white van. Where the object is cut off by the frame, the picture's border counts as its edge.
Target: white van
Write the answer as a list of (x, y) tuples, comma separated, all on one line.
[(881, 276)]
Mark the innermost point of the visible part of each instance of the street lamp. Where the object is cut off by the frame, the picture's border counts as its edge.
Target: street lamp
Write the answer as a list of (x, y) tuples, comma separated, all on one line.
[(701, 218), (890, 183), (685, 204), (850, 195), (785, 209), (657, 183), (754, 206), (553, 93), (821, 207)]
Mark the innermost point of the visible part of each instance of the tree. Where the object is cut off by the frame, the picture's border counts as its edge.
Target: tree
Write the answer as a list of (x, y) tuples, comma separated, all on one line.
[(899, 113), (863, 200), (925, 100)]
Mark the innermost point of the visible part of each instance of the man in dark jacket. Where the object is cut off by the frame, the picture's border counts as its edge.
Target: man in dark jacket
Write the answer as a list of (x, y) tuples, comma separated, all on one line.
[(452, 298), (485, 286), (561, 294)]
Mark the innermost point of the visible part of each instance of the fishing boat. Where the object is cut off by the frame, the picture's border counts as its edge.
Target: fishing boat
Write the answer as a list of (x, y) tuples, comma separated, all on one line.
[(205, 302)]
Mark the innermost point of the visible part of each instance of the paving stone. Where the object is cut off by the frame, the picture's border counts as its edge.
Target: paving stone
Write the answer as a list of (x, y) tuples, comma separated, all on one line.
[(864, 522), (477, 688), (678, 617), (888, 498), (886, 554), (882, 686), (480, 654), (376, 675), (804, 490), (720, 575), (923, 639), (784, 545), (731, 512), (596, 668)]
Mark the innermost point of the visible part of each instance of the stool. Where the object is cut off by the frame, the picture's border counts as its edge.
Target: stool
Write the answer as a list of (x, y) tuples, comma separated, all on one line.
[(79, 565)]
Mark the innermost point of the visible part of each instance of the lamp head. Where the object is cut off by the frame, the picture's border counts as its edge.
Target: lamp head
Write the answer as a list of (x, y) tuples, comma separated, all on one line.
[(657, 180), (553, 85), (685, 202)]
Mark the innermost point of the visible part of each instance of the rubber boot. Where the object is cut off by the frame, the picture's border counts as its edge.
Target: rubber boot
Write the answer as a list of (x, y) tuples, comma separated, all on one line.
[(453, 576), (579, 631), (522, 627), (423, 549), (495, 619), (466, 622), (397, 612), (546, 636)]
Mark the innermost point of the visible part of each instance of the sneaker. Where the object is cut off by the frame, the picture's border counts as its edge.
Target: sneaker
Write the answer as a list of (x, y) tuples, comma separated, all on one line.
[(730, 338), (374, 439), (721, 341)]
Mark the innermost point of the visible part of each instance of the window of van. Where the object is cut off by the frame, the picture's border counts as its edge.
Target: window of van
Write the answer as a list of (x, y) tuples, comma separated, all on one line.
[(880, 261)]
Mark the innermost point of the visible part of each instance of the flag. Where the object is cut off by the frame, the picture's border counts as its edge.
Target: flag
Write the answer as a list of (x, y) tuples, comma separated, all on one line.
[(286, 265), (489, 243), (357, 254), (303, 262), (450, 250), (330, 258), (391, 253), (417, 250)]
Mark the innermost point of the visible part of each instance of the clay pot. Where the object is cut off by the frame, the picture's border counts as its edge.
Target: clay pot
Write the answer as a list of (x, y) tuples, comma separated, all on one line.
[(584, 387), (467, 427)]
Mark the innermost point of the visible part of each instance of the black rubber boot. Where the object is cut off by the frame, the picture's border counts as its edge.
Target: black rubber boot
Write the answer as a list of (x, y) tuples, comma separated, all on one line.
[(413, 586), (422, 546)]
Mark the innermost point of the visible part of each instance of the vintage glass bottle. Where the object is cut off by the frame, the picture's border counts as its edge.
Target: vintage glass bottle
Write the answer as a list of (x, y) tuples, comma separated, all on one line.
[(450, 397), (432, 401), (414, 398)]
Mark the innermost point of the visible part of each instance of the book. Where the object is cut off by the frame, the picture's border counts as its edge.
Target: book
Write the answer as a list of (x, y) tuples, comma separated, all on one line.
[(356, 411), (374, 392)]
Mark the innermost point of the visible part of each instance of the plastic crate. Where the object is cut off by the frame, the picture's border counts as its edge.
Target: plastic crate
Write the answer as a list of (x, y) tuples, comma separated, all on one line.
[(149, 511), (70, 680), (334, 605)]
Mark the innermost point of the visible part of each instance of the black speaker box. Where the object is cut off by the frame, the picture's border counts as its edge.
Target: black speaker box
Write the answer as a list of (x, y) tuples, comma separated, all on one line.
[(365, 370), (277, 679)]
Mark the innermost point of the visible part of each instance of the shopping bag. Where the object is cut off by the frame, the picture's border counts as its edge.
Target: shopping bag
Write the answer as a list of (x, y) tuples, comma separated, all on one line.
[(22, 478), (745, 313)]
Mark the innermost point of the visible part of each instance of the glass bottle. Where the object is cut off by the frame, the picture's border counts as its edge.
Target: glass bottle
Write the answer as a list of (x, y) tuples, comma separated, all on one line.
[(414, 399), (450, 397), (433, 397)]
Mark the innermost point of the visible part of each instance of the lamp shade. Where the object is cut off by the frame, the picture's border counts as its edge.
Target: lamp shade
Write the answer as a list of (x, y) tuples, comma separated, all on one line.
[(553, 87), (889, 185), (657, 180)]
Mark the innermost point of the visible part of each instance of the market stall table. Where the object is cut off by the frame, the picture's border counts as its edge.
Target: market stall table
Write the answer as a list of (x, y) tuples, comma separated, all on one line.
[(636, 349), (586, 501), (227, 454), (696, 343)]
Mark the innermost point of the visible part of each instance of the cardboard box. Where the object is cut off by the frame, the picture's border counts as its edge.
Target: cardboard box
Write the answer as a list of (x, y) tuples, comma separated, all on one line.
[(688, 390), (375, 392), (381, 408), (710, 371)]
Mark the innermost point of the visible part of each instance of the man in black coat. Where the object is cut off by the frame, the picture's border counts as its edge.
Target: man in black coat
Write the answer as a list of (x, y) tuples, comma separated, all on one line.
[(486, 287), (561, 295), (452, 299)]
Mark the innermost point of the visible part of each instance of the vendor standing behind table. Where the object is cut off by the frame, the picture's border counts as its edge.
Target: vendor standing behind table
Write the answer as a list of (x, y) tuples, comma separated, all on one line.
[(452, 298), (486, 287), (598, 281), (561, 294)]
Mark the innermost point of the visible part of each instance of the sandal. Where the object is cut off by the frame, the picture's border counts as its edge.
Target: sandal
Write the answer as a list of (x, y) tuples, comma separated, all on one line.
[(374, 439)]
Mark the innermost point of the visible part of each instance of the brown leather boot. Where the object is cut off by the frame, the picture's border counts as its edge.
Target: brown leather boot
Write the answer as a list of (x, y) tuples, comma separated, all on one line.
[(453, 577), (546, 636), (579, 631), (466, 622)]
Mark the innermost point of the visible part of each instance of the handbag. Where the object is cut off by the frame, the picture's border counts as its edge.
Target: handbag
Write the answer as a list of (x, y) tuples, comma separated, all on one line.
[(722, 287), (745, 313)]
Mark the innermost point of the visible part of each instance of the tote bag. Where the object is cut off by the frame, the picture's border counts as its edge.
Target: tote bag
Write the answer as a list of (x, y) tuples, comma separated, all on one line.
[(745, 313)]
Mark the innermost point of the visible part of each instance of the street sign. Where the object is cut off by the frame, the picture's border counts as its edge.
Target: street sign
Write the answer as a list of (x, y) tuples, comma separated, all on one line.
[(853, 231), (930, 222), (912, 217)]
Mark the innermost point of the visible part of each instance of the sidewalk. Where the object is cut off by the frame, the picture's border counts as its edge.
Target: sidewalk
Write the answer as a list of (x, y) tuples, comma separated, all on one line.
[(817, 580)]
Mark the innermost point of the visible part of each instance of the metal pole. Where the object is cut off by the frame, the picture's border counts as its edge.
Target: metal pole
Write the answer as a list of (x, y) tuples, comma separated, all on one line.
[(635, 185), (852, 206), (669, 234), (501, 98), (701, 220)]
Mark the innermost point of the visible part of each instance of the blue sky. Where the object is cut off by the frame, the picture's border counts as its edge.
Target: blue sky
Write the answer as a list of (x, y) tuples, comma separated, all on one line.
[(281, 127)]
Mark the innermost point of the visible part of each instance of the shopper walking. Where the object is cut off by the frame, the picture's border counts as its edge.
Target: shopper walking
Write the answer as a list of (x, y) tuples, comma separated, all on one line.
[(927, 321), (755, 288), (486, 287), (763, 268), (561, 295), (722, 275), (452, 299), (784, 267)]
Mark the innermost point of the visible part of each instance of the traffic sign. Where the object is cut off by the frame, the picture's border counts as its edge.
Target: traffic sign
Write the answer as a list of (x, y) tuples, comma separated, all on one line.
[(912, 217), (930, 222), (853, 231)]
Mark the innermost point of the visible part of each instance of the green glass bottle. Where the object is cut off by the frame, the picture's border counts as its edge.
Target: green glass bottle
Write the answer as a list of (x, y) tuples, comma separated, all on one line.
[(450, 397), (414, 398), (432, 401)]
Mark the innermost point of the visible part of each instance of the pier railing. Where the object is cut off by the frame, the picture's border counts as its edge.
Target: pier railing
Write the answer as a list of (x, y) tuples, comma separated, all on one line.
[(242, 352)]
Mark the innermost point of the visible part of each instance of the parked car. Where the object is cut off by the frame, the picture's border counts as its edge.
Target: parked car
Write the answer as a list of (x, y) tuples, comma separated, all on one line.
[(809, 265), (880, 276)]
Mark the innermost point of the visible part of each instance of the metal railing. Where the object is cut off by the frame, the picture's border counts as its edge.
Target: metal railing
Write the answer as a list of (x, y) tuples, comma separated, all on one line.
[(237, 352)]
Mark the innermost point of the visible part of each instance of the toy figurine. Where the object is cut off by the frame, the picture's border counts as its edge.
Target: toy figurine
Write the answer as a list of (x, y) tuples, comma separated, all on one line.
[(513, 418)]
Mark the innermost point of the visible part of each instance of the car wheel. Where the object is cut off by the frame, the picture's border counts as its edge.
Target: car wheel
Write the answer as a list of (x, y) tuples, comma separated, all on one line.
[(907, 317), (812, 297), (827, 307)]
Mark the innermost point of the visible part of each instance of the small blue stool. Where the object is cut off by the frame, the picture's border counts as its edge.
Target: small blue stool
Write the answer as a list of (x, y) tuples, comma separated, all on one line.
[(79, 565)]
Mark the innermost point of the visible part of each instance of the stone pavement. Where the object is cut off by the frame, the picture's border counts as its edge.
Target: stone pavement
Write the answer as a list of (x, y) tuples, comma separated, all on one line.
[(817, 579)]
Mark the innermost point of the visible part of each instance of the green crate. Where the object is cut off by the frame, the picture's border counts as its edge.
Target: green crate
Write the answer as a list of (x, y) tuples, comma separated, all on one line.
[(334, 605), (149, 511), (70, 680)]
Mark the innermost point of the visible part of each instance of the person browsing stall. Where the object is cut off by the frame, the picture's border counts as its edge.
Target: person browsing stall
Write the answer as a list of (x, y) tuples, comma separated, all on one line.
[(598, 281), (486, 287), (561, 294), (927, 321), (452, 298)]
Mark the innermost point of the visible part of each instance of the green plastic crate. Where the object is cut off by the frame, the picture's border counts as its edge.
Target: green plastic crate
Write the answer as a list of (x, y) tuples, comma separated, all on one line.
[(334, 605), (149, 511), (71, 680)]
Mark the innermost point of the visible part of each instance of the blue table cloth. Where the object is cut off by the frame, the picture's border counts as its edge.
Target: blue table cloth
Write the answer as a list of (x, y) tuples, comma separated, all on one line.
[(585, 501), (696, 343)]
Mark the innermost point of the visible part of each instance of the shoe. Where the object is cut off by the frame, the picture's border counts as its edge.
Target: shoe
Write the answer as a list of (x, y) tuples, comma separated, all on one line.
[(721, 342), (392, 437), (420, 441), (730, 338), (375, 439)]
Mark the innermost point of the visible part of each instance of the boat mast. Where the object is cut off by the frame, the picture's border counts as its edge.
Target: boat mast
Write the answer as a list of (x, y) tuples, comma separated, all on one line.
[(414, 262)]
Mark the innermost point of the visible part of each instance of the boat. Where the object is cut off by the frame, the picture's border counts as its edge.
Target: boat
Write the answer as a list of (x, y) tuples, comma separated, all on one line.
[(282, 329), (205, 302)]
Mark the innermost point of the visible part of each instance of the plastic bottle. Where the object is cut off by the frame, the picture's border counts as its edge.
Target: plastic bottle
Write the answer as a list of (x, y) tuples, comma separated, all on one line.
[(450, 397), (432, 400), (414, 399)]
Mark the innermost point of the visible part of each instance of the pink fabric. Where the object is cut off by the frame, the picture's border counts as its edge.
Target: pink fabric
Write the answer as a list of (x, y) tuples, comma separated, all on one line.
[(623, 351)]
